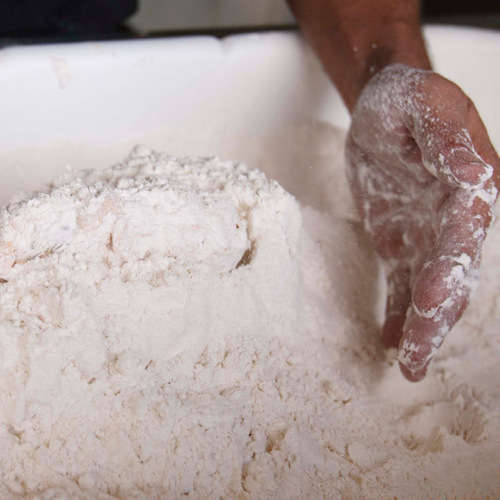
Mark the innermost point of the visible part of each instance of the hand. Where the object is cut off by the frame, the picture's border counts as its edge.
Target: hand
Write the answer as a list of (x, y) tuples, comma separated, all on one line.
[(424, 176)]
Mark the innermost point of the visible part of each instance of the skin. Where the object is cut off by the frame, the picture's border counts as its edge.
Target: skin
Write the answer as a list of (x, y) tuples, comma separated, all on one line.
[(422, 169)]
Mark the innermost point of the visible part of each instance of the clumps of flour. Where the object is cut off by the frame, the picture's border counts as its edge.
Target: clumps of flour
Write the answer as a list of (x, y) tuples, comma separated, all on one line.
[(180, 327)]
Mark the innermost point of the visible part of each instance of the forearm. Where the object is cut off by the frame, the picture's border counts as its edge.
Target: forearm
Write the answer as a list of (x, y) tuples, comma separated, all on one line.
[(355, 39)]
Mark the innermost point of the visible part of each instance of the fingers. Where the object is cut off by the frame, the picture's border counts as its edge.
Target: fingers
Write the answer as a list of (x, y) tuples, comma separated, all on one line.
[(398, 301), (468, 163), (464, 222), (422, 336), (443, 287)]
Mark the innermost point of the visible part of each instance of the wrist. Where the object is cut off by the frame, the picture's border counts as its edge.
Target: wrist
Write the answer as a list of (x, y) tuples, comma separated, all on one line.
[(398, 41), (404, 44), (355, 39)]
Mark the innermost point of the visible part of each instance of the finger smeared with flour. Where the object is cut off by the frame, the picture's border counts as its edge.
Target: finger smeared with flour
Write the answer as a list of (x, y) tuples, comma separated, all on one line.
[(424, 176)]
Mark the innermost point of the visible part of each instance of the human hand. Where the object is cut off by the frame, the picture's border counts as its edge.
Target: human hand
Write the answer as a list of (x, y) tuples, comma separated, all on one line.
[(424, 176)]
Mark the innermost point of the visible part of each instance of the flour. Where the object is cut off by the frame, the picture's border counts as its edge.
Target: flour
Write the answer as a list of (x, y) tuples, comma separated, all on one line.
[(176, 328)]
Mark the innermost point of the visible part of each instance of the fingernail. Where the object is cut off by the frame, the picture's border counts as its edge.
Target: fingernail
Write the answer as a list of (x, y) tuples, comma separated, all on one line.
[(472, 174), (415, 359), (468, 168), (413, 376)]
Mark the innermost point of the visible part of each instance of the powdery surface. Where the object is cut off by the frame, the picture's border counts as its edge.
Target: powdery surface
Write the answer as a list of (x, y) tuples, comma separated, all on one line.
[(176, 328)]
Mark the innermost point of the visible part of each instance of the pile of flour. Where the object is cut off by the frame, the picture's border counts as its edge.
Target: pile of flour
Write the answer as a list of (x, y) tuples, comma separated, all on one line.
[(181, 327)]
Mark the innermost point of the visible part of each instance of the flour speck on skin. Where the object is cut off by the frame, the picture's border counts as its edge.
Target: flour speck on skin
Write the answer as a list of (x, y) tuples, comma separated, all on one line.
[(184, 327)]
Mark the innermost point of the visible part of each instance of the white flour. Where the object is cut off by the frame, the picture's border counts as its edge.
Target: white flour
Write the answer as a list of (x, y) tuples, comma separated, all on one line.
[(180, 328)]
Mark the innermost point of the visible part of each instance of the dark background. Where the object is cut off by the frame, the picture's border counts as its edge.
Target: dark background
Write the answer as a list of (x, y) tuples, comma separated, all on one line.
[(33, 21), (446, 7)]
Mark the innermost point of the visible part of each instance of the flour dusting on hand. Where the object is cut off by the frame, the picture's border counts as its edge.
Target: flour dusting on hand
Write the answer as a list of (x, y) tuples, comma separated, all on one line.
[(427, 199)]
